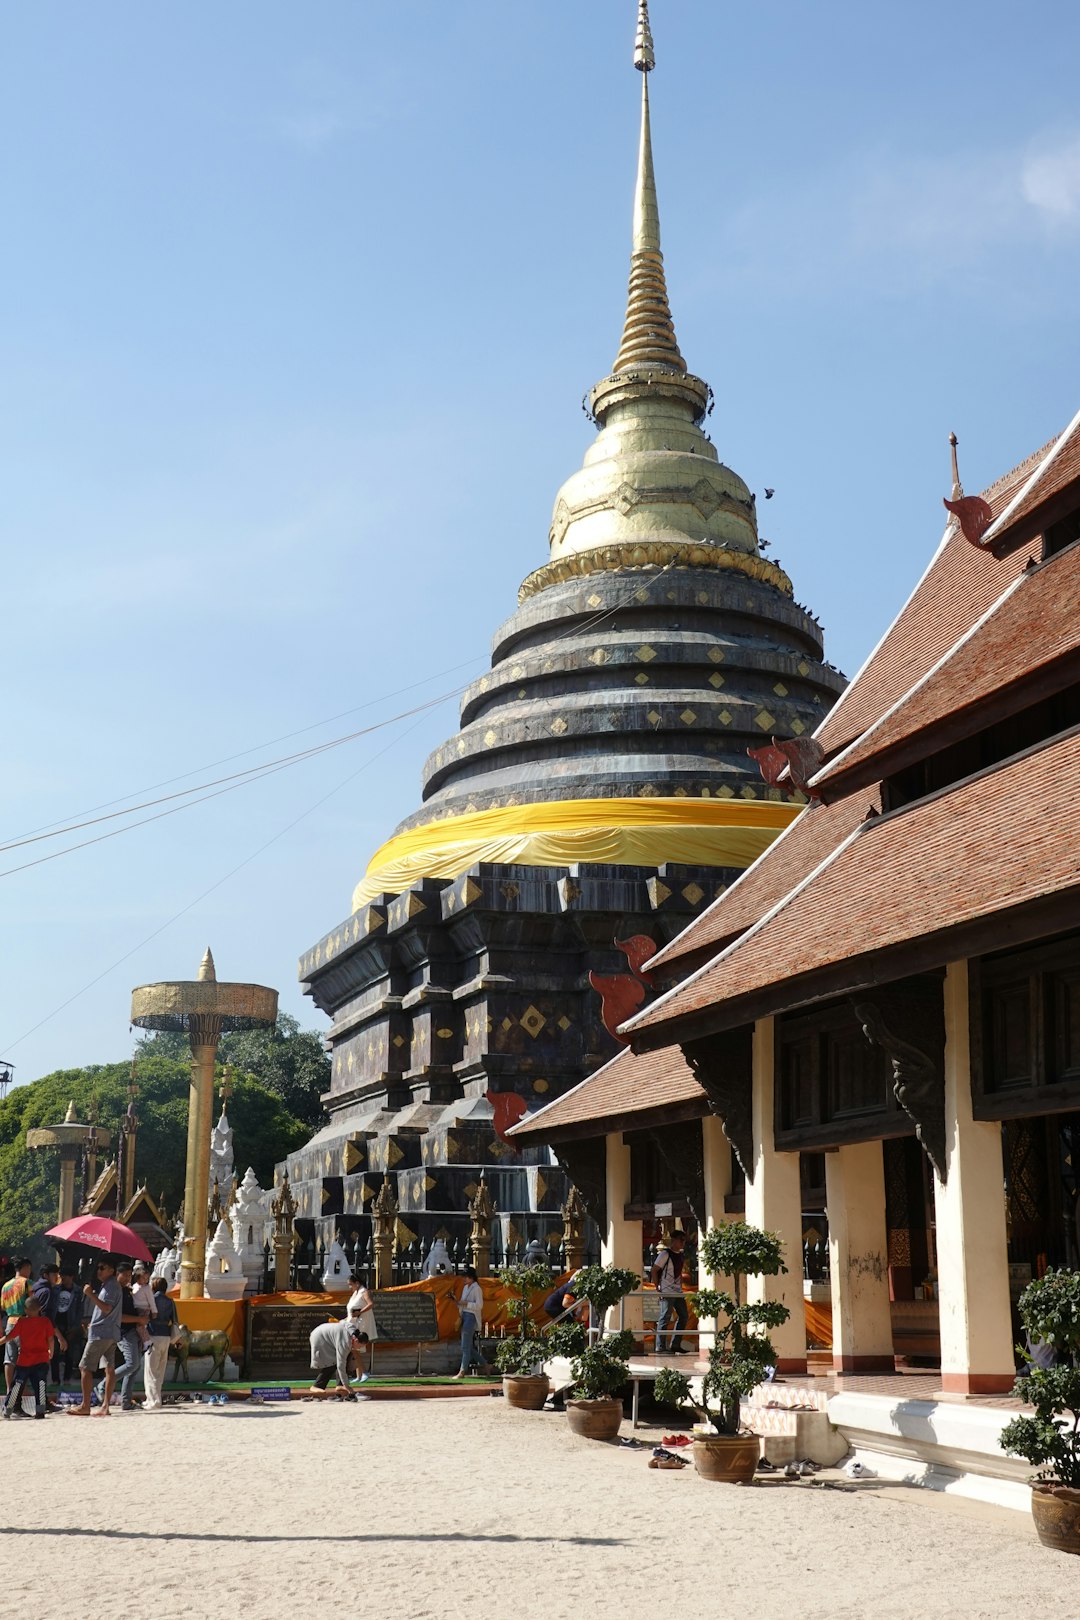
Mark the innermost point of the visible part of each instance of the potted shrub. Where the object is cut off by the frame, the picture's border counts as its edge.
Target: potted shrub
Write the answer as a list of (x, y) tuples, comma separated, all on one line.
[(1050, 1311), (594, 1402), (739, 1356), (600, 1370), (521, 1358)]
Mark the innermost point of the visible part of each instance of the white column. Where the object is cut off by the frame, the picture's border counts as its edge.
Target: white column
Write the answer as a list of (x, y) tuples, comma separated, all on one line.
[(972, 1247), (717, 1159), (774, 1202), (621, 1243), (859, 1259)]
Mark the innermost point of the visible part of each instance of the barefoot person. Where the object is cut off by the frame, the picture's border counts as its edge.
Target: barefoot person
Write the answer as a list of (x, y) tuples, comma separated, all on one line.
[(470, 1302), (102, 1337)]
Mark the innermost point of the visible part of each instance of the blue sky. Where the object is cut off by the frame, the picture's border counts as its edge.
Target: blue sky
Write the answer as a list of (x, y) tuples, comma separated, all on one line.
[(297, 307)]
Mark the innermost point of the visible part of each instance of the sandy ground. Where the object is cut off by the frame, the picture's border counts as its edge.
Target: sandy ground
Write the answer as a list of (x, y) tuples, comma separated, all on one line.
[(465, 1508)]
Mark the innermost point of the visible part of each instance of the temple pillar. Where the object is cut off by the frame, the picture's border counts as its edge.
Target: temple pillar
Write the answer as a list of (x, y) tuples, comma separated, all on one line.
[(972, 1246), (716, 1154), (66, 1207), (621, 1243), (774, 1202), (858, 1259)]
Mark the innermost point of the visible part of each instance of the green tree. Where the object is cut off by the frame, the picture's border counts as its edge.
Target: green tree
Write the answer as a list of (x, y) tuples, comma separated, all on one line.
[(264, 1131), (288, 1061)]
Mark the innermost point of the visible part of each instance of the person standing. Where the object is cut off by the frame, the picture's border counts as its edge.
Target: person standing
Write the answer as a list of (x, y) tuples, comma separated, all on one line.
[(666, 1278), (102, 1337), (470, 1302), (13, 1298), (162, 1327), (129, 1344), (32, 1334), (143, 1295), (69, 1318), (361, 1314)]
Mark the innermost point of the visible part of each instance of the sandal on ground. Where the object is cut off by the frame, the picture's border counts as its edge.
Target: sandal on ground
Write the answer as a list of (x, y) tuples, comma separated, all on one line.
[(668, 1462)]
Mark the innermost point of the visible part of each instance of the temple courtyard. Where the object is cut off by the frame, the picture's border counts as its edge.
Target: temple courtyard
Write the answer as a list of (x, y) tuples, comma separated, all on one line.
[(459, 1507)]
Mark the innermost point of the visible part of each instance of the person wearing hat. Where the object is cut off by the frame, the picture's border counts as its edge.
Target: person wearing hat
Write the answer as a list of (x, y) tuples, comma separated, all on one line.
[(332, 1343)]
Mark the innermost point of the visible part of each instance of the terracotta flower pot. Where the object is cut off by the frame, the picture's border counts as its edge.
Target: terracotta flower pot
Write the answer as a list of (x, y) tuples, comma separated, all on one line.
[(1056, 1511), (595, 1420), (527, 1392), (730, 1458)]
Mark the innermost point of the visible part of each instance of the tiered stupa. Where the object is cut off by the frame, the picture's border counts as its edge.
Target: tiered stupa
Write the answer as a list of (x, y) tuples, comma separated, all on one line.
[(599, 787)]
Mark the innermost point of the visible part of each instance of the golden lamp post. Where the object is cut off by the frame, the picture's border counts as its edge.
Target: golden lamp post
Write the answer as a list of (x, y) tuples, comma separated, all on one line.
[(205, 1010)]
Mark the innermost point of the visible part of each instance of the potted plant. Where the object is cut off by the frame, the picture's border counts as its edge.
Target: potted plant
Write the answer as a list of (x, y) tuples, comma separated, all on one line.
[(521, 1358), (600, 1370), (1050, 1312), (599, 1373), (740, 1353)]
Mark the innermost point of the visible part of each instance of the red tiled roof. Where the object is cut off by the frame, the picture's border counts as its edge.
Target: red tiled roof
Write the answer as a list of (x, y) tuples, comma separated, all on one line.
[(959, 586), (800, 848), (632, 1083), (1061, 468), (998, 841), (1033, 626)]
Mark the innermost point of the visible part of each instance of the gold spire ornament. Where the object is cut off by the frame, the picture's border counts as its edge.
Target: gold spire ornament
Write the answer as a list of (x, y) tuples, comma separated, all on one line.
[(644, 54)]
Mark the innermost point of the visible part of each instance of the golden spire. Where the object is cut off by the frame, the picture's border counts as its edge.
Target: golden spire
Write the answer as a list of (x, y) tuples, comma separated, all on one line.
[(648, 332), (207, 973)]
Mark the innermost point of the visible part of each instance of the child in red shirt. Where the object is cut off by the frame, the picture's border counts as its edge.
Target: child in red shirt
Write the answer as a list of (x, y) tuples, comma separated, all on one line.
[(34, 1335)]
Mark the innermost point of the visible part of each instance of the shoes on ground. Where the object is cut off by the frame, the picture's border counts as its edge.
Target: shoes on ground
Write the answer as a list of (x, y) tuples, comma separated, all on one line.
[(766, 1467), (664, 1459), (677, 1440)]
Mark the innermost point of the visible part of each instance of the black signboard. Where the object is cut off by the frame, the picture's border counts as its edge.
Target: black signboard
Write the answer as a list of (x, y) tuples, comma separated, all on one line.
[(278, 1335), (278, 1338), (408, 1318)]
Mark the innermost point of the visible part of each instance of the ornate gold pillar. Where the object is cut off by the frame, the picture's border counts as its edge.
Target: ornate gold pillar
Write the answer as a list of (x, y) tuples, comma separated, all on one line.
[(283, 1208), (574, 1216), (384, 1212), (482, 1211)]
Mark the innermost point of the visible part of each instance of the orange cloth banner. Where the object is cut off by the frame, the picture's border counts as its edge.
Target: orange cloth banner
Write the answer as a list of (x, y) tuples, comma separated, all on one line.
[(818, 1325)]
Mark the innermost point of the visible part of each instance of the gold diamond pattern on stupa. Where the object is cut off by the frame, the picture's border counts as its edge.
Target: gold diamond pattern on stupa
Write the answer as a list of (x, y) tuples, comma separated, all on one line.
[(600, 656), (558, 726), (693, 894), (564, 1023), (780, 689), (797, 727), (593, 601), (716, 655), (764, 719), (470, 891), (716, 681), (532, 1021), (645, 654), (641, 678), (724, 717), (803, 667), (653, 717), (688, 717), (490, 737)]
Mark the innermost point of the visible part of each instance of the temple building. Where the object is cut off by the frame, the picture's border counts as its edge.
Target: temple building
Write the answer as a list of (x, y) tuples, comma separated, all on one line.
[(598, 789), (880, 1020)]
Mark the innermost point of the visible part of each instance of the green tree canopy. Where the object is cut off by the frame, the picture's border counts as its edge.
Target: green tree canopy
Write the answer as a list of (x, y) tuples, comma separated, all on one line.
[(264, 1131), (288, 1061)]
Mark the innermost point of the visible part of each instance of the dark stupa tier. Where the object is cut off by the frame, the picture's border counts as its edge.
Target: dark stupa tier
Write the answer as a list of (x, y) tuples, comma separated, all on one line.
[(635, 683), (599, 788)]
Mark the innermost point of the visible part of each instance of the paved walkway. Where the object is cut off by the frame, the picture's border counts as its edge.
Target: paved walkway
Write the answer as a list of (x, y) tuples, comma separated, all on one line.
[(434, 1511)]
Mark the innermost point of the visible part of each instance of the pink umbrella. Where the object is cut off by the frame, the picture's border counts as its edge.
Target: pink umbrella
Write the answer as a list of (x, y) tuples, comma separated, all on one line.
[(98, 1232)]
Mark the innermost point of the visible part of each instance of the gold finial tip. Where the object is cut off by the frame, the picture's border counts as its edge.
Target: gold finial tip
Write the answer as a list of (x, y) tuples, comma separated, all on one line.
[(206, 969), (644, 54), (953, 440), (71, 1117)]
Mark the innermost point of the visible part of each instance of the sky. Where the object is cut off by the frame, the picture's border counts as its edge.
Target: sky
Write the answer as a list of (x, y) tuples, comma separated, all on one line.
[(297, 308)]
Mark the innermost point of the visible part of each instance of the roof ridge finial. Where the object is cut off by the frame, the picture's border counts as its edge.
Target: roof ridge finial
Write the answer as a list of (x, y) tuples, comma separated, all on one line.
[(207, 972), (648, 337), (957, 486)]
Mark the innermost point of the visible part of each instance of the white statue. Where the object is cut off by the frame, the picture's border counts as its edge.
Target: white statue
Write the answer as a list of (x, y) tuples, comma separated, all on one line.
[(222, 1168), (224, 1269), (252, 1227), (166, 1265), (335, 1277), (438, 1262)]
